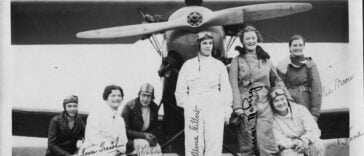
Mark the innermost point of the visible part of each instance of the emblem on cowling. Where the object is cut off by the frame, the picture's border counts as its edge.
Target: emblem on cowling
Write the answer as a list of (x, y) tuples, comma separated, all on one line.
[(194, 19)]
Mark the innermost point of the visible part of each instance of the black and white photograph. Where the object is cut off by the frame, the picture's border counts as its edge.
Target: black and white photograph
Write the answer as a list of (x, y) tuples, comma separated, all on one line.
[(181, 78)]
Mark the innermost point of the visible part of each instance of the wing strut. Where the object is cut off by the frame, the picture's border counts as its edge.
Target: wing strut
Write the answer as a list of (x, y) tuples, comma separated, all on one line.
[(156, 44), (230, 43), (152, 37)]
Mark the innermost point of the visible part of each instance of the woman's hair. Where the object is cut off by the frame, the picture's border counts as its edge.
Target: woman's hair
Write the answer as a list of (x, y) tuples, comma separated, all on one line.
[(261, 54), (296, 37), (250, 28), (108, 89)]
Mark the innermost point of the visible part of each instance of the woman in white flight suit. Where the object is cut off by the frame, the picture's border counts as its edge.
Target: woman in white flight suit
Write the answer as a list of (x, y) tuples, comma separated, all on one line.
[(204, 91)]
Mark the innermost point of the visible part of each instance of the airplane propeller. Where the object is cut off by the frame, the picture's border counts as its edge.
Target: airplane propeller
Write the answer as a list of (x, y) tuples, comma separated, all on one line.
[(229, 16)]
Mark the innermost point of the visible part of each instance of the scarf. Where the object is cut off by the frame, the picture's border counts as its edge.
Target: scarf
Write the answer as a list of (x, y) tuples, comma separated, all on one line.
[(261, 54), (298, 61)]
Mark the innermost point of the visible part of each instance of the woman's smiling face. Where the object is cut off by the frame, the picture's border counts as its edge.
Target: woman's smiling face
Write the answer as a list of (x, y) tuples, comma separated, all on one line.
[(71, 109), (114, 99), (250, 40), (296, 48), (280, 104)]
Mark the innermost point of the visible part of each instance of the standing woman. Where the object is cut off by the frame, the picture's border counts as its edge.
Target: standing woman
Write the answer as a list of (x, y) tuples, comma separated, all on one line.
[(301, 76), (65, 129), (204, 91), (252, 75)]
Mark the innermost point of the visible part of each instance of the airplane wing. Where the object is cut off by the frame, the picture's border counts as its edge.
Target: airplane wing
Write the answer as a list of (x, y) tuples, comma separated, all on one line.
[(35, 123), (57, 22)]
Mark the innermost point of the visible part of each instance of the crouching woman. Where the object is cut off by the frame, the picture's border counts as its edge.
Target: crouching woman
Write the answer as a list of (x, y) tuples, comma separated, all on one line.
[(141, 117), (295, 130), (65, 129)]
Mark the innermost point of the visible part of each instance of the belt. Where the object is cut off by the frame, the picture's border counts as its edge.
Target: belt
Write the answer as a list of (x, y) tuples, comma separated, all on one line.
[(301, 88)]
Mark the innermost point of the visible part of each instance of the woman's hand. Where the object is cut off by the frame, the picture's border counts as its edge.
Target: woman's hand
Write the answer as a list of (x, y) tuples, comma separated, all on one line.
[(151, 139), (315, 118), (300, 146), (239, 112)]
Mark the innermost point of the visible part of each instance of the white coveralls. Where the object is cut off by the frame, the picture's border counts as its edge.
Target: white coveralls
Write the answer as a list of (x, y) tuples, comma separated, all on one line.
[(204, 91)]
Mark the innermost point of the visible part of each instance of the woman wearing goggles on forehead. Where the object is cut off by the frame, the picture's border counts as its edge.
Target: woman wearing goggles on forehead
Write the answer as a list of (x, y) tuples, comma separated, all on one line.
[(252, 75), (204, 91), (295, 130)]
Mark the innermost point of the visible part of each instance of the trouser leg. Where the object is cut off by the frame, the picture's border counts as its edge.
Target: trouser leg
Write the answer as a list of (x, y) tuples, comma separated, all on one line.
[(246, 133), (316, 149), (194, 141), (265, 138), (213, 130)]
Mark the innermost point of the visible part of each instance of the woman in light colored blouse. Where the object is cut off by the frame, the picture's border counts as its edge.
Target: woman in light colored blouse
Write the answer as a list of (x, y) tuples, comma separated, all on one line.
[(105, 128)]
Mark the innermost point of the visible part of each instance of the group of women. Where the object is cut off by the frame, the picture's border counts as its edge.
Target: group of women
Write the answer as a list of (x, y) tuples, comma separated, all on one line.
[(268, 106), (274, 108), (107, 132), (105, 128)]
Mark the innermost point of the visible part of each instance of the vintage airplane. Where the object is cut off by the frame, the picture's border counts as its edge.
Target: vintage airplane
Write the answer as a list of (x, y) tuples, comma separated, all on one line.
[(48, 22)]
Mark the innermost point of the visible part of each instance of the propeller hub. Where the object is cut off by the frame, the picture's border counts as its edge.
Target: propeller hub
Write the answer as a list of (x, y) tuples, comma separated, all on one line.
[(194, 19)]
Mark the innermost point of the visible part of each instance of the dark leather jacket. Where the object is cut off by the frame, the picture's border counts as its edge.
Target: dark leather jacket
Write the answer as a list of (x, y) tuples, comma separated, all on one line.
[(132, 115), (61, 139)]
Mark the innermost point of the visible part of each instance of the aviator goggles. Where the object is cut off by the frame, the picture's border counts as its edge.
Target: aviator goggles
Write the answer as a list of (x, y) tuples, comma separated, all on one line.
[(202, 35), (276, 93)]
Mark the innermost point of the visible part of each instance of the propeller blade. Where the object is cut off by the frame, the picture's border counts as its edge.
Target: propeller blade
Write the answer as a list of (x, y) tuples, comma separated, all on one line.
[(133, 30), (242, 14)]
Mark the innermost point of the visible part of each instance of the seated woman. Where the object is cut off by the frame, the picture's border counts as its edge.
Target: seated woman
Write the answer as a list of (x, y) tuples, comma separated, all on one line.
[(65, 129), (295, 130), (105, 129), (141, 117)]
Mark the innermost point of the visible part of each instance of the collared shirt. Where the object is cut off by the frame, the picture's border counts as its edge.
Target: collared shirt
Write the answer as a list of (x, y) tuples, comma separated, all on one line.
[(106, 125), (296, 124)]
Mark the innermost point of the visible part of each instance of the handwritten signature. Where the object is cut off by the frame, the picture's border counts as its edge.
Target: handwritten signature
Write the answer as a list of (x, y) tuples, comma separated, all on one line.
[(147, 150), (336, 84), (195, 126), (346, 141), (103, 147), (194, 119), (250, 111)]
